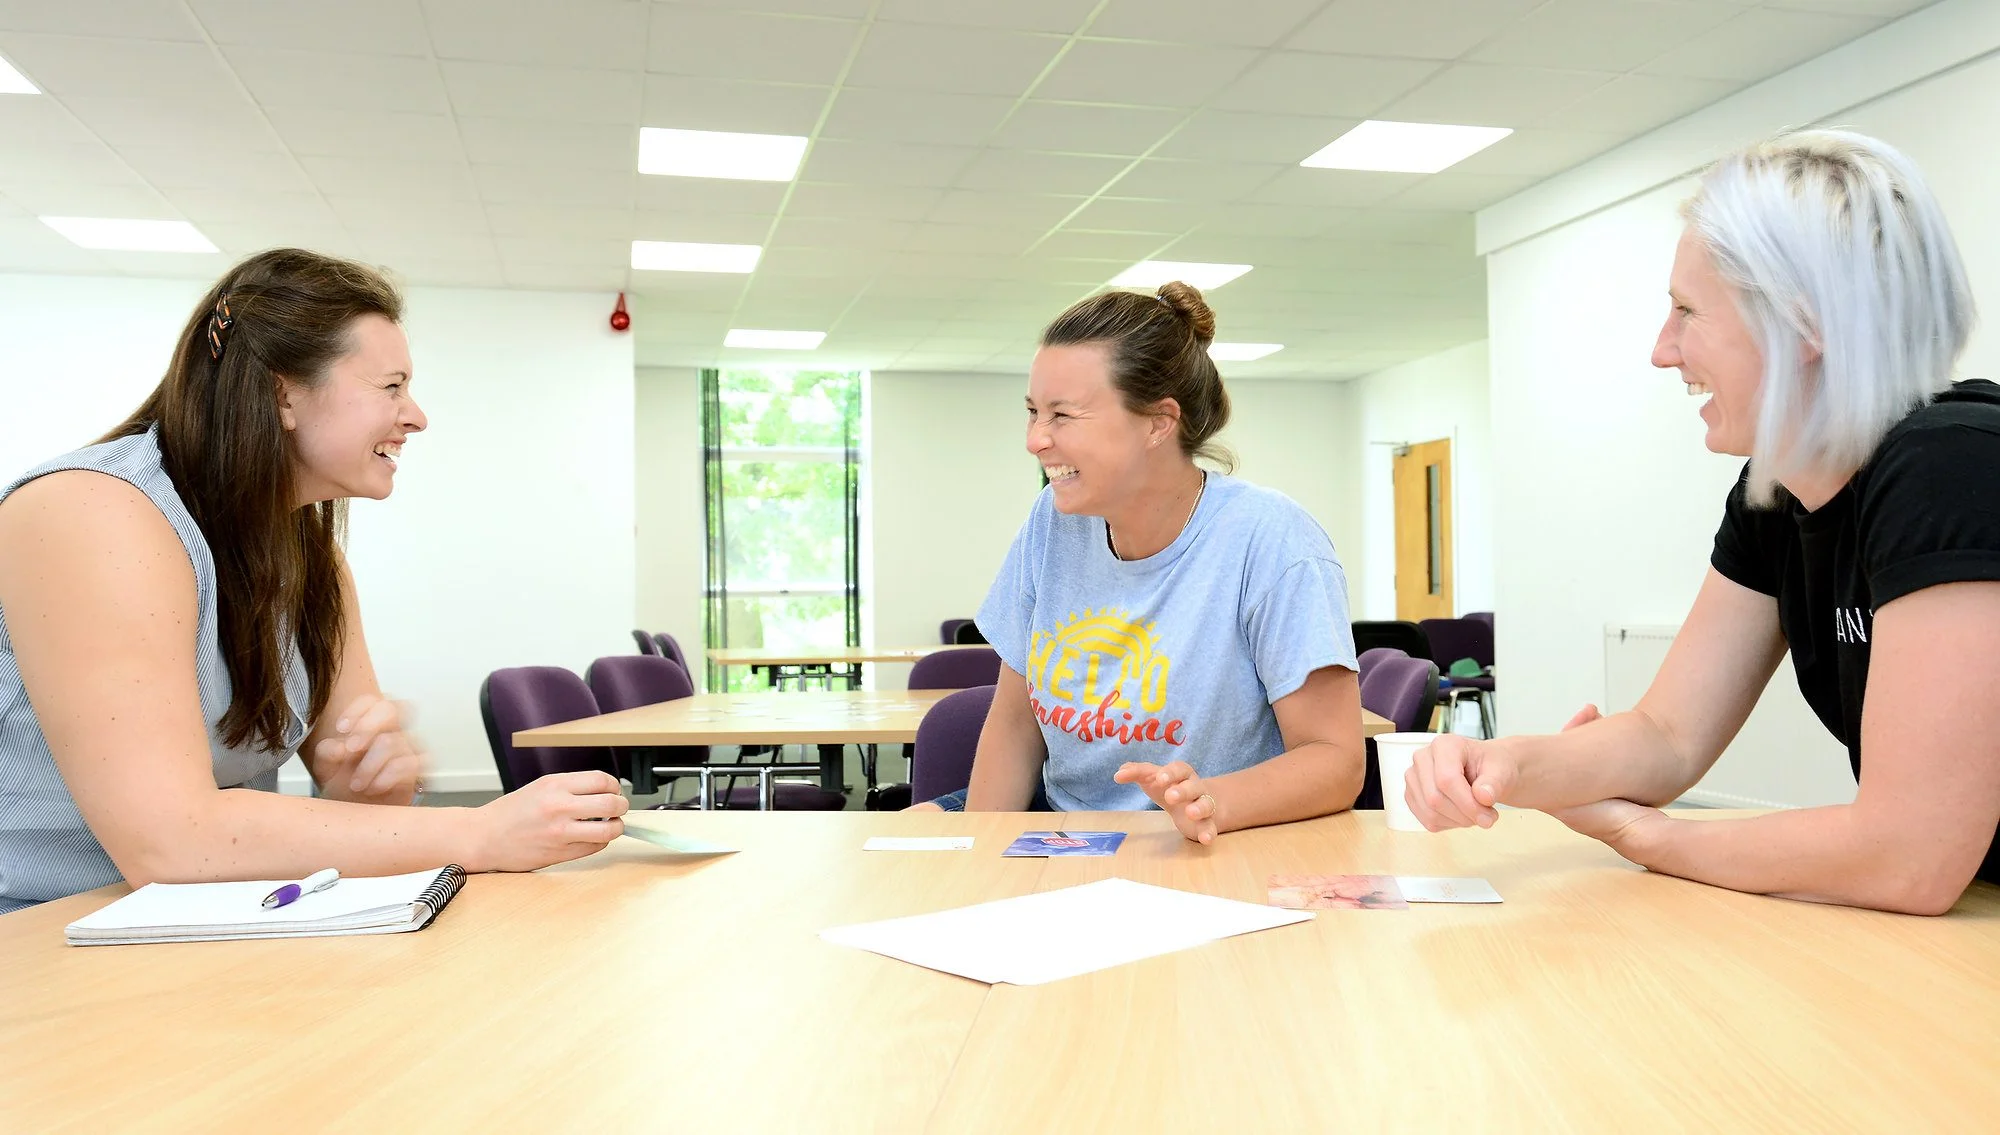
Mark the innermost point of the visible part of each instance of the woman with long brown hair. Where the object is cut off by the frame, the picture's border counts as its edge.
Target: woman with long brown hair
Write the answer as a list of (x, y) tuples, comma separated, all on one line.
[(177, 619)]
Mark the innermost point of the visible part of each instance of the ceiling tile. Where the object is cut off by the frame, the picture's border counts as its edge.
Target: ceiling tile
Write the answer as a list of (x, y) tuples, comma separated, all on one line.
[(364, 27), (238, 205), (427, 272), (1760, 43), (172, 167), (1344, 187), (1082, 128), (1251, 218), (894, 202), (1601, 35), (1068, 252), (27, 245), (166, 265), (1632, 104), (419, 181), (558, 94), (852, 9), (1171, 180), (240, 238), (561, 222), (841, 233), (1479, 94), (893, 116), (395, 247), (52, 163), (1154, 74), (123, 121), (821, 263), (124, 19), (709, 195), (367, 133), (1061, 16), (1889, 8), (1260, 24), (135, 200), (127, 68), (1030, 172), (1537, 153), (1464, 192), (43, 122), (704, 228), (593, 252), (279, 77), (1414, 29), (1023, 210), (609, 34), (932, 237), (1124, 214), (555, 184), (957, 60), (886, 163), (1296, 82), (686, 103), (565, 277), (747, 45), (575, 145), (377, 215), (1238, 136)]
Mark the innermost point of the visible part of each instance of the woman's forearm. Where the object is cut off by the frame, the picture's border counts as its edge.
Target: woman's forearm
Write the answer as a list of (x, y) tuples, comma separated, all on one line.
[(247, 834), (1318, 778), (1626, 756)]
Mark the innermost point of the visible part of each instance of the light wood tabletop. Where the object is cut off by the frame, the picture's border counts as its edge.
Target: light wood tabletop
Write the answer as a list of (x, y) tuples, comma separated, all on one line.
[(639, 991), (824, 717), (836, 717)]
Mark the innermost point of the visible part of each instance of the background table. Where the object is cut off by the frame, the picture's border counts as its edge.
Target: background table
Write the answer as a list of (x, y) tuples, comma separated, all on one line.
[(781, 663), (637, 991)]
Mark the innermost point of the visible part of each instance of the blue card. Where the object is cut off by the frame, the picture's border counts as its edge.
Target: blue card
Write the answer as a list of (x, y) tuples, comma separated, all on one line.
[(1042, 845)]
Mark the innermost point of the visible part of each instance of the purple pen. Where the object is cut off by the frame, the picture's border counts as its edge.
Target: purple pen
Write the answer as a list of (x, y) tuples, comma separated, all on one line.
[(292, 892)]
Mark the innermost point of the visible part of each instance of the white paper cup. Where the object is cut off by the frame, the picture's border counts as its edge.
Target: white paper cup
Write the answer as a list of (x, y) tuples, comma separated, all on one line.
[(1393, 754)]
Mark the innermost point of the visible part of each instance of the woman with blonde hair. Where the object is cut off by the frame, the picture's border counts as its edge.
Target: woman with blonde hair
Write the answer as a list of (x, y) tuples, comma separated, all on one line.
[(1820, 306)]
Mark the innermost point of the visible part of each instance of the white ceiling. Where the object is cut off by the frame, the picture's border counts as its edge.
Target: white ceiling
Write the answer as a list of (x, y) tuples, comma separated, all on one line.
[(976, 165)]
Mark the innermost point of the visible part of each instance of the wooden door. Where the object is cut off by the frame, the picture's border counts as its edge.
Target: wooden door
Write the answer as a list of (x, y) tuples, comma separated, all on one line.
[(1422, 478)]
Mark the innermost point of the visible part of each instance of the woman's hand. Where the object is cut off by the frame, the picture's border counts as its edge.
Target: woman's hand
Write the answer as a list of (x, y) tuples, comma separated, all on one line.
[(1178, 790), (371, 758), (554, 819)]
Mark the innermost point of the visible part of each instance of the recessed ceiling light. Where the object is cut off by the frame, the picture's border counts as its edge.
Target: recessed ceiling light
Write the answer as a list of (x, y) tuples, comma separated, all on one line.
[(1242, 352), (714, 153), (676, 256), (773, 340), (1153, 273), (114, 234), (1405, 147), (12, 82)]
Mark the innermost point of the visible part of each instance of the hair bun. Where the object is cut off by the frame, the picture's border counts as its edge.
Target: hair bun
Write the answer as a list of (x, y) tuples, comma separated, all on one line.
[(1186, 300)]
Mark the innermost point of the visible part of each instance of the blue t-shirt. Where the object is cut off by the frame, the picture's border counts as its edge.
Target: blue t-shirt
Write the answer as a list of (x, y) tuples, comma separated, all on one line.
[(1174, 657)]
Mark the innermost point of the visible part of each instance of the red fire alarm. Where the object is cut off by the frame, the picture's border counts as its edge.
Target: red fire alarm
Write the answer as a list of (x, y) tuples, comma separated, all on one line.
[(620, 319)]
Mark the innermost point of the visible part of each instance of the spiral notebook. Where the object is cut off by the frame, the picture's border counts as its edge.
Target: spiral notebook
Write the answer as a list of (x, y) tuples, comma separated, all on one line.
[(219, 912)]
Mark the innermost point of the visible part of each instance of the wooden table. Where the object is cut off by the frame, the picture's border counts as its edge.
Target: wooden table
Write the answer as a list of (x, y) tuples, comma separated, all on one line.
[(830, 719), (634, 991), (780, 664)]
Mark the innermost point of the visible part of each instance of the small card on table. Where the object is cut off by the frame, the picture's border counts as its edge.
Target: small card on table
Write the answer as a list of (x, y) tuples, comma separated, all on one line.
[(1374, 892), (1044, 845), (918, 843), (682, 844), (1433, 888)]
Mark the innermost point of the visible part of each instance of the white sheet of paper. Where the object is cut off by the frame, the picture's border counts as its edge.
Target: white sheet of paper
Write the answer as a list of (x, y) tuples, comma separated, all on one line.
[(685, 845), (1039, 938), (918, 843), (1438, 888)]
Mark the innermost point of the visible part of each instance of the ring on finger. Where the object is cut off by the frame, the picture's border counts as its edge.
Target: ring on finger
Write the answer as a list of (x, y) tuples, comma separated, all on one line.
[(1211, 803)]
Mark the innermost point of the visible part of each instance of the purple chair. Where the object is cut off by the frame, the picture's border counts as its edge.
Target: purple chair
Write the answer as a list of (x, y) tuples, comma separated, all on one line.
[(948, 630), (1404, 690), (670, 647), (646, 643), (529, 697), (1482, 616), (947, 738), (628, 681), (959, 669), (1404, 636), (1453, 639), (1370, 657)]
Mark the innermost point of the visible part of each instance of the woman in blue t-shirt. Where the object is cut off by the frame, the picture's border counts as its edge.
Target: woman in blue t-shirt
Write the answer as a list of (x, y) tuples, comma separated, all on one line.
[(1170, 636)]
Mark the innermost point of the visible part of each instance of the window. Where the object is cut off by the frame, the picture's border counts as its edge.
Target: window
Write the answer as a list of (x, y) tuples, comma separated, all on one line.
[(782, 474)]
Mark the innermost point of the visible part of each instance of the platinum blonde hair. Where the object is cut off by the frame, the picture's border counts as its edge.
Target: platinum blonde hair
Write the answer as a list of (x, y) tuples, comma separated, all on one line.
[(1833, 241)]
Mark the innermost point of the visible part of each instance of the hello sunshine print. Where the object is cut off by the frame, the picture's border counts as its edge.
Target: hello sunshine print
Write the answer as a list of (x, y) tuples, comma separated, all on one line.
[(1101, 676)]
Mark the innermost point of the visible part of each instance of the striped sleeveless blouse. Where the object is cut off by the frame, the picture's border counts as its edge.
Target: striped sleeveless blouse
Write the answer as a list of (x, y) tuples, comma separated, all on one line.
[(46, 849)]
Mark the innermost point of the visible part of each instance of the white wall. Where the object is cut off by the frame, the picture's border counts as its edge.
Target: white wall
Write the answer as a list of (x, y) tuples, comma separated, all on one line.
[(1606, 501), (668, 520), (1442, 396), (951, 483), (509, 538)]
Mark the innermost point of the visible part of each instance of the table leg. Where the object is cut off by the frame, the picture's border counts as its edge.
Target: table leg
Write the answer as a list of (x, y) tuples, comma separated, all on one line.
[(832, 767)]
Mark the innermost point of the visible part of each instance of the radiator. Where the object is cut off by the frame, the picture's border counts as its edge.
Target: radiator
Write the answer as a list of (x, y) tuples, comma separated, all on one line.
[(1781, 758)]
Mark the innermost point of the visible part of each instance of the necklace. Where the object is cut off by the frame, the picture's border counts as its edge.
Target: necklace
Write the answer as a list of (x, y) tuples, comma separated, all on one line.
[(1113, 543)]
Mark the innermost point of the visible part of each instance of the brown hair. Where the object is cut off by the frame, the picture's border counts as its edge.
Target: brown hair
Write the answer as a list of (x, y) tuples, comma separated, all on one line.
[(1158, 346), (284, 313)]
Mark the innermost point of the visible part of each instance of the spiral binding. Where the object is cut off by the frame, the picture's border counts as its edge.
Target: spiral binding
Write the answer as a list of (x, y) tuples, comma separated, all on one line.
[(443, 888)]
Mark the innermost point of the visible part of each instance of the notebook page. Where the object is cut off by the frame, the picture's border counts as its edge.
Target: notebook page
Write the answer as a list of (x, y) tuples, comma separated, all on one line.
[(238, 906), (1039, 938)]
